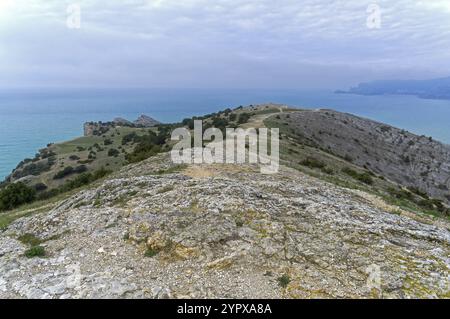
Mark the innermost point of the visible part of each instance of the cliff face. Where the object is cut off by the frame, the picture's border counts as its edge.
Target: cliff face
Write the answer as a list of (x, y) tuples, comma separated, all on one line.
[(88, 128), (99, 128), (158, 230), (405, 158), (145, 121)]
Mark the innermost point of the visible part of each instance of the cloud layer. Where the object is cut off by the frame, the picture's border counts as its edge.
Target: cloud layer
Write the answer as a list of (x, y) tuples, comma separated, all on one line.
[(221, 43)]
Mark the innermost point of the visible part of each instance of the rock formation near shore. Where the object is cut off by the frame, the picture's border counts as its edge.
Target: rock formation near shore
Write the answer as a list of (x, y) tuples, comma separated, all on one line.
[(99, 128)]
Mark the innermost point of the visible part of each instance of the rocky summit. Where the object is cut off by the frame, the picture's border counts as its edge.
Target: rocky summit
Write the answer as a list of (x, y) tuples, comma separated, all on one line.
[(159, 230)]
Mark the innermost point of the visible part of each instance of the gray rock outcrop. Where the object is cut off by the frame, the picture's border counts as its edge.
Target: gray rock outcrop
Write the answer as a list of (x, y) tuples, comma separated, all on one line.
[(156, 230)]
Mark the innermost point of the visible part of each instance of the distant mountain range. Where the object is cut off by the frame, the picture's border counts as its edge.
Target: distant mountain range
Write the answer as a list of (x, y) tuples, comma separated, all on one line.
[(426, 89)]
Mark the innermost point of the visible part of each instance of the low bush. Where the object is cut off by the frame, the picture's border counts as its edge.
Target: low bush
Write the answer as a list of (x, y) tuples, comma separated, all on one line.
[(362, 177), (35, 251), (243, 118), (400, 193), (69, 170), (29, 239), (80, 180), (112, 152), (151, 252), (312, 162), (284, 280), (16, 194), (40, 187), (63, 173)]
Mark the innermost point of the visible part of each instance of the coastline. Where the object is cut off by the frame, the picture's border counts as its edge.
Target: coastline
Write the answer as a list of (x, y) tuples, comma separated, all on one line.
[(36, 121)]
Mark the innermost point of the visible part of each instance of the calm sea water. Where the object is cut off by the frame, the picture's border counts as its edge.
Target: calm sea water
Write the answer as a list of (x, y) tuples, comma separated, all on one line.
[(30, 119)]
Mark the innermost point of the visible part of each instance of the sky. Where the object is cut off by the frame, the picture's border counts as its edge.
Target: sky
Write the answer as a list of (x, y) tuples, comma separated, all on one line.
[(221, 43)]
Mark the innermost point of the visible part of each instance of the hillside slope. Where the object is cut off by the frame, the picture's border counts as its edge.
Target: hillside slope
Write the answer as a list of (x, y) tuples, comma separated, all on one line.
[(417, 162), (337, 220), (155, 230)]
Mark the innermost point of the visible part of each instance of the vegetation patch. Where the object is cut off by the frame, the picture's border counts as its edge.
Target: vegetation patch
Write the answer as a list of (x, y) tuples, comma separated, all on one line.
[(172, 169), (35, 251), (284, 280), (29, 239), (243, 118), (312, 162), (16, 194), (365, 177), (69, 170), (150, 252), (34, 168)]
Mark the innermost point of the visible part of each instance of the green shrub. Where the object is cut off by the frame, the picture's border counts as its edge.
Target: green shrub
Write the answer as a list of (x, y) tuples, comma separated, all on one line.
[(80, 180), (400, 193), (243, 118), (69, 170), (34, 169), (362, 177), (148, 145), (131, 137), (15, 195), (327, 170), (312, 162), (40, 187), (284, 280), (426, 204), (419, 192), (112, 152), (80, 169), (63, 173), (151, 252), (102, 172), (29, 239), (35, 251)]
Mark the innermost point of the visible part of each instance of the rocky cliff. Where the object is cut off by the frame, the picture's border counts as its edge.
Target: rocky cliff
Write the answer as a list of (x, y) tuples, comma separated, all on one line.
[(413, 161), (145, 121), (100, 128), (155, 230)]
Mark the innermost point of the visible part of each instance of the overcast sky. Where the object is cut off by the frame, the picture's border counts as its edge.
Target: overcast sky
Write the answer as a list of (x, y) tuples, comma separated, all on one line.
[(221, 43)]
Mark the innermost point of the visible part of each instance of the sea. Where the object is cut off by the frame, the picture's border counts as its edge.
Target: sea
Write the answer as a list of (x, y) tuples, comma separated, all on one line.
[(32, 118)]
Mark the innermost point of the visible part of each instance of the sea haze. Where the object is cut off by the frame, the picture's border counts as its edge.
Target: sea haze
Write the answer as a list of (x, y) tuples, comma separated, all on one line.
[(30, 119)]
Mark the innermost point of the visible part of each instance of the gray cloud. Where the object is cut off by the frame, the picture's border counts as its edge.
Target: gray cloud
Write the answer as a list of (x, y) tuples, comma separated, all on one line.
[(221, 43)]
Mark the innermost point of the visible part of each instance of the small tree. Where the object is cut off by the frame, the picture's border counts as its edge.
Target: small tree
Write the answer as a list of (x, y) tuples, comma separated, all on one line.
[(113, 152), (243, 118), (16, 194)]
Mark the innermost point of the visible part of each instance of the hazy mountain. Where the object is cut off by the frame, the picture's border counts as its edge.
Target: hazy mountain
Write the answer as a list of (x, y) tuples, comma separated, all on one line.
[(427, 89)]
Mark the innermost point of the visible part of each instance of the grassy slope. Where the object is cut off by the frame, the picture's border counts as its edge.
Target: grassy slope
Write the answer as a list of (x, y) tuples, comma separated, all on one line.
[(67, 149), (291, 151)]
